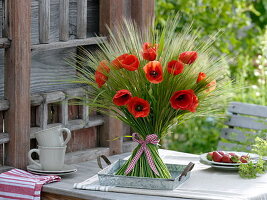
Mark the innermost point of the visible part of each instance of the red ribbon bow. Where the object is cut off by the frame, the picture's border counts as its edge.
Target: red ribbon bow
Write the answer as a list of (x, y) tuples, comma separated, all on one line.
[(153, 139)]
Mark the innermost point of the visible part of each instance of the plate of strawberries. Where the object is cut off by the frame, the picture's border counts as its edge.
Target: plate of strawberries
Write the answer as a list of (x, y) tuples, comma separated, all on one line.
[(226, 159)]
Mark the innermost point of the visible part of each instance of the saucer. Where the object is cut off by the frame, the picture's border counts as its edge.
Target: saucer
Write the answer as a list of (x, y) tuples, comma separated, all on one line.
[(67, 169)]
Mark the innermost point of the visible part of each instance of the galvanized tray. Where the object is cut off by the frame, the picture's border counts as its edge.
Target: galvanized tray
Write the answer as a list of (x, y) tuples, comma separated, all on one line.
[(107, 177)]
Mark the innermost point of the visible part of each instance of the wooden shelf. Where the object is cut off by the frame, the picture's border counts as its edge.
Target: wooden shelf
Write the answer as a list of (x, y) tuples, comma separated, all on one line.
[(4, 105), (4, 138), (69, 43), (4, 43)]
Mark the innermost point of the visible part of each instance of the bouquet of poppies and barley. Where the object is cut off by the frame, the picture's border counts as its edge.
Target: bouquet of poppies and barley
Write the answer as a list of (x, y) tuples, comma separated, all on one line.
[(151, 80)]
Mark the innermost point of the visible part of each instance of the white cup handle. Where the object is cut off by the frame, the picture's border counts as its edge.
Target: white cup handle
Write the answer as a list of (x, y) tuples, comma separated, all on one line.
[(62, 130), (30, 157)]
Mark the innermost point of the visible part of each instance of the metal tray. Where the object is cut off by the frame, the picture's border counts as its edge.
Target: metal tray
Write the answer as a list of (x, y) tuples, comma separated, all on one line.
[(107, 177)]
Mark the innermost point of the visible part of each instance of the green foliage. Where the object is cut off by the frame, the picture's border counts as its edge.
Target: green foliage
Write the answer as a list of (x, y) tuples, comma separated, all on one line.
[(251, 170), (196, 135), (243, 36)]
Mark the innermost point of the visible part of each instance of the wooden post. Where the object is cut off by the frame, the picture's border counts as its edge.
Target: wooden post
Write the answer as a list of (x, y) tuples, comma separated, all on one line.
[(64, 20), (81, 19), (17, 81), (111, 12), (143, 12), (44, 21)]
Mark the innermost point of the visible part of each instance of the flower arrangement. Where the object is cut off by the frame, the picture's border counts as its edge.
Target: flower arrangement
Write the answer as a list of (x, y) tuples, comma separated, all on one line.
[(151, 80)]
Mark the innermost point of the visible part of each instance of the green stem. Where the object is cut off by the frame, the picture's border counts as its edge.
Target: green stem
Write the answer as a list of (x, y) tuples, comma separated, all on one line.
[(142, 168)]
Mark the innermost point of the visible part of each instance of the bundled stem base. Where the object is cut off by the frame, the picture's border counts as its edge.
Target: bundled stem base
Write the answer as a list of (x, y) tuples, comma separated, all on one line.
[(142, 168)]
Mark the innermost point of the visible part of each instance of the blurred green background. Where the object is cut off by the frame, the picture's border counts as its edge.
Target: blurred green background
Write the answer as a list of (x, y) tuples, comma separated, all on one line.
[(244, 37)]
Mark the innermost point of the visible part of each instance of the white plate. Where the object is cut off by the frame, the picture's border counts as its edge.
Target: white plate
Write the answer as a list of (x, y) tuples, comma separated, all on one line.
[(67, 169), (203, 157), (226, 167)]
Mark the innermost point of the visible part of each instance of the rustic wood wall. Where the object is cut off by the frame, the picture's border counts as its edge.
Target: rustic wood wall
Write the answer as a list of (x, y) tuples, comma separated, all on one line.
[(49, 66)]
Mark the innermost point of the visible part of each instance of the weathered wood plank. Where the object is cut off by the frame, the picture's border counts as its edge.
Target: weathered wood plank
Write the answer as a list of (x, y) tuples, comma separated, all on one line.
[(64, 20), (4, 104), (4, 138), (247, 122), (82, 19), (85, 155), (236, 135), (112, 128), (75, 92), (4, 43), (64, 117), (223, 146), (53, 97), (44, 21), (67, 44), (248, 109), (17, 82), (36, 99)]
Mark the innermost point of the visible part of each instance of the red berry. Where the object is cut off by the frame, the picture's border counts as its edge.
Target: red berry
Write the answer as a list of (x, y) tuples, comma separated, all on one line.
[(232, 154), (226, 158), (216, 156), (209, 156), (221, 152), (244, 159)]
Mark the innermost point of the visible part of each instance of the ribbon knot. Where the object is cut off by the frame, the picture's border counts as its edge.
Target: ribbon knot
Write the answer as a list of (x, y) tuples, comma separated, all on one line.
[(152, 139)]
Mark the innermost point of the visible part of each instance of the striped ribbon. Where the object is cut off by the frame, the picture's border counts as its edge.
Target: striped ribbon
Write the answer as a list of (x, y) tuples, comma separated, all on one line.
[(153, 139)]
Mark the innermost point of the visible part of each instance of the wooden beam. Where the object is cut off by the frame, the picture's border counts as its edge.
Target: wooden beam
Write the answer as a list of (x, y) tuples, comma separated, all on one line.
[(81, 19), (4, 42), (51, 196), (110, 13), (143, 12), (17, 82), (69, 43), (64, 20), (4, 105), (44, 21)]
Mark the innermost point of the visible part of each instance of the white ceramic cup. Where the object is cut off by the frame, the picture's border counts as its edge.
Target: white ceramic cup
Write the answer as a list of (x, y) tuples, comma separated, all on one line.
[(53, 137), (51, 158)]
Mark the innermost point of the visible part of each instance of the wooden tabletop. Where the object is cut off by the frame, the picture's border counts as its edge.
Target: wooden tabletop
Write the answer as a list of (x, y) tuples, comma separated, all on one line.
[(64, 189)]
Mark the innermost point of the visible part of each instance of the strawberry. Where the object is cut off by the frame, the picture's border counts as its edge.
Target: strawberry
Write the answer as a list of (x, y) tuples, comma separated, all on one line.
[(235, 158), (221, 152), (216, 156), (232, 154), (244, 159), (209, 156), (226, 158)]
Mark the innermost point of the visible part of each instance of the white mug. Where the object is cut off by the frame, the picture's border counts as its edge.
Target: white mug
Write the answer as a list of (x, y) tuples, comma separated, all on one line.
[(53, 137), (51, 158)]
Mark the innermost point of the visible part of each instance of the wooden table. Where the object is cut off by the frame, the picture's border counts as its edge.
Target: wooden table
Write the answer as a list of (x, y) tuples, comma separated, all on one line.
[(205, 183), (64, 190)]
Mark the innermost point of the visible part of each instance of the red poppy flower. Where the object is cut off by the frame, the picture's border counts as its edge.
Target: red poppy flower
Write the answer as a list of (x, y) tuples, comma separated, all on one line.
[(153, 71), (130, 62), (149, 51), (188, 57), (122, 97), (211, 86), (201, 76), (138, 107), (117, 62), (100, 74), (175, 67), (184, 100)]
